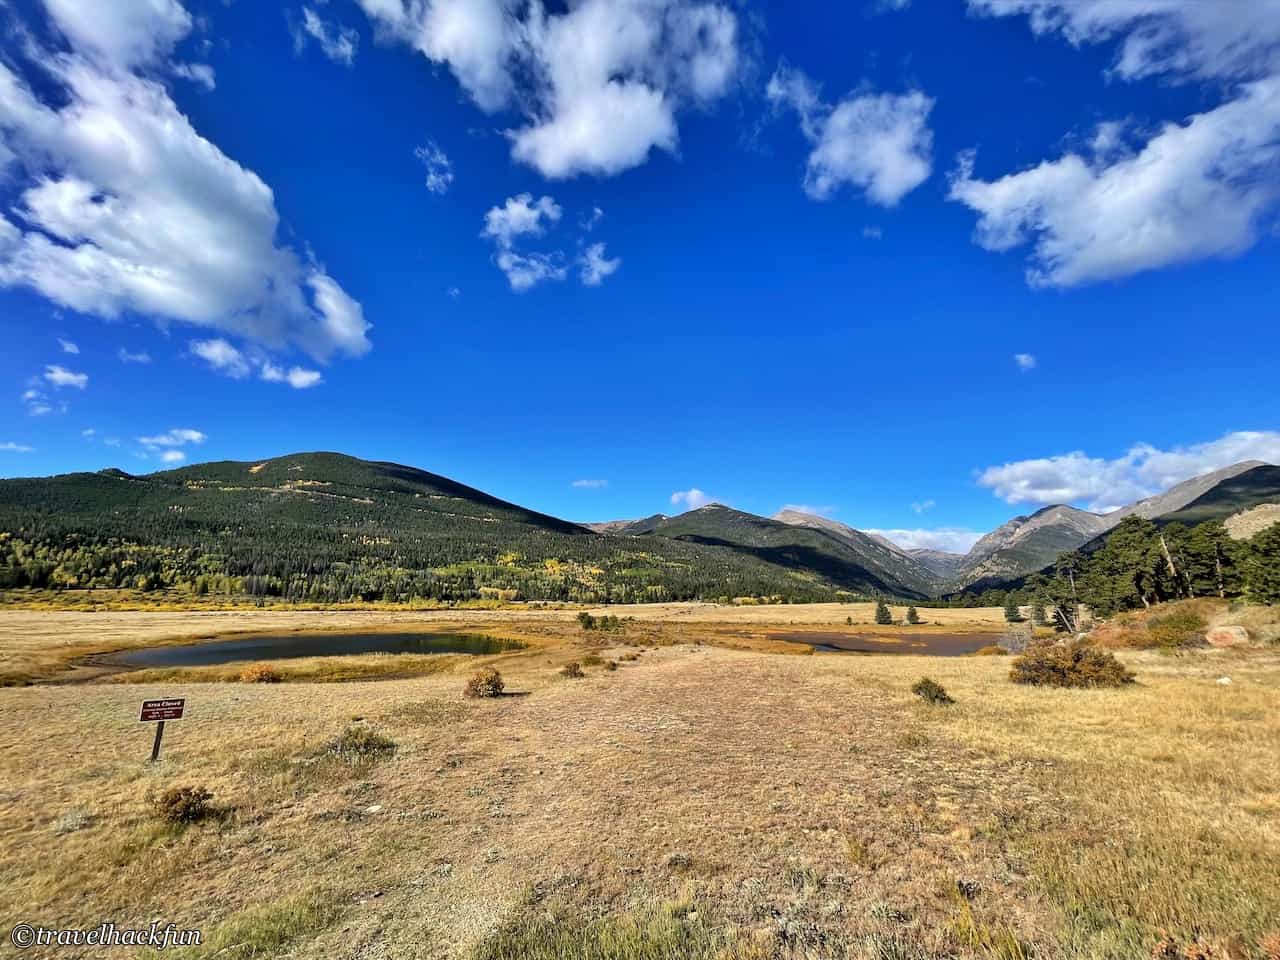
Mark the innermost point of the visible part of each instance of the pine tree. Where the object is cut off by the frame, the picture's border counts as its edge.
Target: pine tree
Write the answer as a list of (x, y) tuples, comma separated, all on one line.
[(1262, 566), (883, 616), (912, 616), (1011, 611)]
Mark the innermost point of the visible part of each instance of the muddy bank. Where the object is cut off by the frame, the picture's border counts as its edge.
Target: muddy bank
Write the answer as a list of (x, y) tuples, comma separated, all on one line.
[(923, 644)]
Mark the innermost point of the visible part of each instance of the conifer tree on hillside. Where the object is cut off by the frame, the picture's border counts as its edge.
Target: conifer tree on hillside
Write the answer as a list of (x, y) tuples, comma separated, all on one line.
[(883, 616), (912, 616), (1011, 611), (1262, 568)]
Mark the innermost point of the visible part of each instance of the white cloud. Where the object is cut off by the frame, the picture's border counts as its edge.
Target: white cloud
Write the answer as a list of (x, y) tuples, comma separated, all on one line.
[(336, 42), (198, 73), (589, 484), (60, 377), (812, 510), (221, 356), (595, 266), (948, 539), (1192, 191), (439, 169), (89, 433), (67, 346), (877, 143), (600, 83), (111, 441), (592, 220), (232, 362), (124, 208), (127, 357), (296, 377), (1178, 38), (1025, 361), (522, 216), (872, 233), (691, 499), (922, 506), (518, 216), (10, 447), (1125, 204), (1143, 471), (36, 400), (165, 445), (455, 293)]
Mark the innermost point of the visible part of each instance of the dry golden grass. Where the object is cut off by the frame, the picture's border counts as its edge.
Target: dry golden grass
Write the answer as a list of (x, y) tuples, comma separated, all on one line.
[(720, 803)]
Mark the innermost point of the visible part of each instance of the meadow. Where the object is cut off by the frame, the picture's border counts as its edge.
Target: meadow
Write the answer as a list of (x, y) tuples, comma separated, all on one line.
[(702, 791)]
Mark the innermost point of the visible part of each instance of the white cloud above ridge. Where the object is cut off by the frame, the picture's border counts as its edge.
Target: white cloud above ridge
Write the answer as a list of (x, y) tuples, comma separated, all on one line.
[(816, 510), (177, 437), (879, 144), (225, 358), (589, 484), (599, 84), (946, 539), (1142, 471), (153, 220), (10, 447), (692, 499)]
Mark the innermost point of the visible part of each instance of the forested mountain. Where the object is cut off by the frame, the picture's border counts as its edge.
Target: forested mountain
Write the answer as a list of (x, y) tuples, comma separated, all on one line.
[(1026, 544), (326, 527), (884, 558), (843, 557)]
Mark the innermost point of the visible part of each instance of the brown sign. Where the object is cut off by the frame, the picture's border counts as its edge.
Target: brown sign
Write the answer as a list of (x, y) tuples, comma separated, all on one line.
[(161, 710)]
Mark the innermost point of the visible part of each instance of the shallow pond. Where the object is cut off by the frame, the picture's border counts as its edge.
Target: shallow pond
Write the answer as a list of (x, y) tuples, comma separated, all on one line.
[(922, 644), (294, 645)]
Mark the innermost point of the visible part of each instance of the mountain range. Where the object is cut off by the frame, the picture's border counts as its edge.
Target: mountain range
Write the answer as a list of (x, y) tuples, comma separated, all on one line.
[(328, 527)]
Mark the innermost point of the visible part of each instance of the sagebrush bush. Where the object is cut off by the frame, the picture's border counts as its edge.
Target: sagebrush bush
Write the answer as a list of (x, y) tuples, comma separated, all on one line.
[(991, 650), (486, 682), (572, 670), (1076, 664), (932, 692), (185, 804), (259, 673), (1178, 628), (611, 664), (361, 741)]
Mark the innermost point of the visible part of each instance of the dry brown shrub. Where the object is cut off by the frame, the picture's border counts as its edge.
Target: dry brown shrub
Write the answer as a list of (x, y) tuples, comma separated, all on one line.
[(260, 673), (1075, 664), (486, 682), (185, 804), (572, 670)]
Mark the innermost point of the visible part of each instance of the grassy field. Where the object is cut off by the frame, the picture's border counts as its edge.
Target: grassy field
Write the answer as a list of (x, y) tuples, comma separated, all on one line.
[(708, 798)]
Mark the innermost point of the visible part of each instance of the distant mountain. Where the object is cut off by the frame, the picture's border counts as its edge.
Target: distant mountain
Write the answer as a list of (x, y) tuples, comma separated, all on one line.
[(843, 557), (945, 566), (1028, 543), (1179, 496), (879, 555), (325, 527)]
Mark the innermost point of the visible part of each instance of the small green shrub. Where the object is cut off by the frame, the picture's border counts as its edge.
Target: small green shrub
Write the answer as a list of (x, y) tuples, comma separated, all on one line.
[(932, 692), (572, 670), (1074, 664), (913, 617), (883, 615), (183, 804), (1179, 628), (486, 682), (359, 741)]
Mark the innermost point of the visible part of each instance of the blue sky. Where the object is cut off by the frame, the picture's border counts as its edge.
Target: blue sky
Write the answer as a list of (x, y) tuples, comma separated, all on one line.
[(918, 266)]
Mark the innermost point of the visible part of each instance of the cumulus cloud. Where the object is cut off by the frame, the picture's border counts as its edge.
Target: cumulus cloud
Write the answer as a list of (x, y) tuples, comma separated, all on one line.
[(296, 377), (1106, 484), (691, 499), (589, 484), (1128, 203), (122, 207), (877, 143), (336, 42), (226, 359), (67, 346), (948, 539), (221, 356), (809, 508), (173, 456), (522, 216), (59, 377), (923, 506), (1194, 190), (178, 437), (595, 266), (1025, 361), (126, 357), (1177, 38), (10, 447), (599, 84), (439, 169)]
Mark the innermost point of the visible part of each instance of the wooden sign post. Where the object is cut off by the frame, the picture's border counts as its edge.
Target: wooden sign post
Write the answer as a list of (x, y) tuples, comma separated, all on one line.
[(157, 712)]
